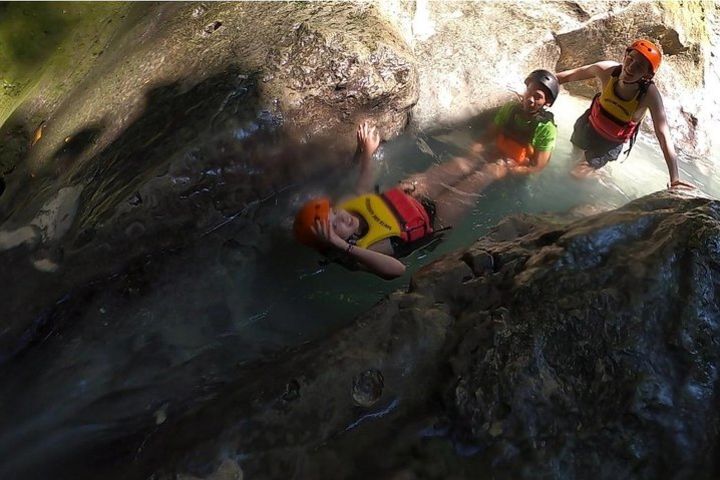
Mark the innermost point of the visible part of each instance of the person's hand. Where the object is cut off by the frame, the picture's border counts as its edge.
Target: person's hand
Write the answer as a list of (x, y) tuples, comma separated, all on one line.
[(496, 169), (368, 138), (477, 148), (326, 234), (509, 163), (515, 168), (680, 185)]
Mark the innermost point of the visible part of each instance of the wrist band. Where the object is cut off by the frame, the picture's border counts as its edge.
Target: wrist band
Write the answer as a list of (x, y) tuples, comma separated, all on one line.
[(349, 248)]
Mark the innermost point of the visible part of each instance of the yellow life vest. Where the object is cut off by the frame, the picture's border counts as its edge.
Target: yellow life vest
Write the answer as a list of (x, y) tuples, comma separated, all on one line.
[(620, 109), (381, 221), (611, 116)]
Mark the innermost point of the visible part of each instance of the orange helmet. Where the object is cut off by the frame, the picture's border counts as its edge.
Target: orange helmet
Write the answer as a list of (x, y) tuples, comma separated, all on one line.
[(648, 50), (315, 209)]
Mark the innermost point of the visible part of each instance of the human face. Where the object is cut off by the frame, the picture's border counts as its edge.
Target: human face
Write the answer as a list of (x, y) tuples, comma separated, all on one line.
[(343, 223), (534, 98), (634, 67)]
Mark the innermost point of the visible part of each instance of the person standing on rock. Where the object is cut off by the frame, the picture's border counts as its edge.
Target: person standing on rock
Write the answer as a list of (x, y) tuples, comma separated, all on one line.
[(615, 113), (371, 230)]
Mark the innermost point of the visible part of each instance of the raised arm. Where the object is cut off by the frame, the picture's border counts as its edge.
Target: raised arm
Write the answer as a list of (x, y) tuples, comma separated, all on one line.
[(662, 132), (382, 265), (594, 70), (368, 140)]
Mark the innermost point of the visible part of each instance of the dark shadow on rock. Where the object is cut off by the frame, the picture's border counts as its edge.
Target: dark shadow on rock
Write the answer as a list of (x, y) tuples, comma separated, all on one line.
[(175, 122), (74, 145), (184, 175)]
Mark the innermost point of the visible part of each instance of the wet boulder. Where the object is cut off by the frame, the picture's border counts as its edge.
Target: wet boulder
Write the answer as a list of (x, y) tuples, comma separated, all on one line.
[(602, 359), (337, 65)]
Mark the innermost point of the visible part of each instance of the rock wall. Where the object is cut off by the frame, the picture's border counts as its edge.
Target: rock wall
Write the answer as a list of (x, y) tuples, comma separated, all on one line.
[(194, 114)]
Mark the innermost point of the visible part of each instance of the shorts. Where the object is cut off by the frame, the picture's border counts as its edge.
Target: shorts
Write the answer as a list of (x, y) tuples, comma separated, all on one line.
[(598, 151)]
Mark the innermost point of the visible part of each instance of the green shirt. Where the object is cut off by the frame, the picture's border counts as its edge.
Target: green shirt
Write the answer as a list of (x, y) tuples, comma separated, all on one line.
[(543, 138)]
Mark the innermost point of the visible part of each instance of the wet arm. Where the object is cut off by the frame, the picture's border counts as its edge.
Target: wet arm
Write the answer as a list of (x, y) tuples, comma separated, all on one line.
[(368, 140), (662, 132), (366, 177), (586, 72), (382, 265)]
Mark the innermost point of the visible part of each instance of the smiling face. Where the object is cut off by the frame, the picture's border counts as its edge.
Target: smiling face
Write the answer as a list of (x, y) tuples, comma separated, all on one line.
[(534, 98), (343, 223), (635, 67)]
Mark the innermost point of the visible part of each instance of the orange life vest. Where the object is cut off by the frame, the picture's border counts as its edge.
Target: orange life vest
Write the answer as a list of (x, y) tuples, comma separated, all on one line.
[(514, 150), (515, 137)]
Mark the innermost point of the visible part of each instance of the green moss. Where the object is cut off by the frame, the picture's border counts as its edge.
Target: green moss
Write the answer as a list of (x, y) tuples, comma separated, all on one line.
[(41, 40)]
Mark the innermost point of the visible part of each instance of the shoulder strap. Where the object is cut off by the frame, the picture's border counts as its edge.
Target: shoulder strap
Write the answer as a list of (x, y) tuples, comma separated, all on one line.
[(546, 116), (644, 87), (428, 243)]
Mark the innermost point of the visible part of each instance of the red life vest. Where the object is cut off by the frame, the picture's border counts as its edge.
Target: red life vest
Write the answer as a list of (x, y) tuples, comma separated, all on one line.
[(411, 215)]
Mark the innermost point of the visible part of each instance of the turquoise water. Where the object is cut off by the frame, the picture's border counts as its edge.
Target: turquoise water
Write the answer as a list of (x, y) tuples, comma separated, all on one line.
[(129, 361), (552, 190)]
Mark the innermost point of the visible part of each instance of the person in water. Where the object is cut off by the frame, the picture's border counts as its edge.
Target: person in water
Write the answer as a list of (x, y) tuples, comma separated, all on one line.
[(615, 113), (373, 229)]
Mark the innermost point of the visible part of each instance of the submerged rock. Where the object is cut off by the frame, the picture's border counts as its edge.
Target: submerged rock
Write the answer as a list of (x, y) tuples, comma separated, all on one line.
[(583, 349)]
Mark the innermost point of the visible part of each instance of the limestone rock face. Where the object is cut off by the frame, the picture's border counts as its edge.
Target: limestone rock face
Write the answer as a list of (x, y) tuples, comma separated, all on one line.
[(551, 343), (338, 64), (605, 340), (547, 348), (469, 52)]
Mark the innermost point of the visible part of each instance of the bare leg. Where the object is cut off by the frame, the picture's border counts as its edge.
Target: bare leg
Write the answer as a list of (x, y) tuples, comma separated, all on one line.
[(582, 169), (453, 203), (433, 181)]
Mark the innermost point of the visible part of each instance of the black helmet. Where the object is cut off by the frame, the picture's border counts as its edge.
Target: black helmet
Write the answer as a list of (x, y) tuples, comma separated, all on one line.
[(547, 80)]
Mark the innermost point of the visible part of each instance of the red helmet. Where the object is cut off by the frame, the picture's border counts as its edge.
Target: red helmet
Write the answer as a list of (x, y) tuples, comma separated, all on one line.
[(315, 209), (649, 50)]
